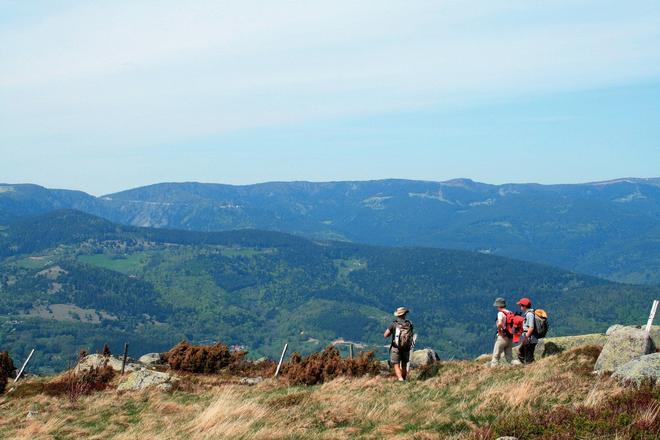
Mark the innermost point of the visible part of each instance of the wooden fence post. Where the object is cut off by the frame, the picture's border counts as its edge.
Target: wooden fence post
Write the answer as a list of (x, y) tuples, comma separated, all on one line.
[(350, 351), (654, 308), (20, 373), (123, 362), (279, 364)]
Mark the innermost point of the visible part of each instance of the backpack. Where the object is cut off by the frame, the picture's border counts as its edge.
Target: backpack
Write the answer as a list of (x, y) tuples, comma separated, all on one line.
[(403, 336), (540, 323), (518, 321), (509, 323)]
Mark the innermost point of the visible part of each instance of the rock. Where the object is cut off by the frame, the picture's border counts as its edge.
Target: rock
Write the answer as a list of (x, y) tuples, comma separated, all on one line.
[(613, 328), (423, 357), (622, 346), (644, 369), (251, 380), (655, 331), (97, 361), (486, 357), (151, 359), (32, 414), (142, 379), (507, 438)]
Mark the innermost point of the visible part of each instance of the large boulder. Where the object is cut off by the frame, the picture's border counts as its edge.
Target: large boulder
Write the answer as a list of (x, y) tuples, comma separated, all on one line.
[(423, 357), (644, 369), (611, 329), (655, 331), (622, 346), (142, 379), (151, 359), (98, 360)]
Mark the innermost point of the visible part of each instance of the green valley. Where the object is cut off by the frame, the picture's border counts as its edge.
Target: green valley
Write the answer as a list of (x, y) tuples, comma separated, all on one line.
[(70, 281)]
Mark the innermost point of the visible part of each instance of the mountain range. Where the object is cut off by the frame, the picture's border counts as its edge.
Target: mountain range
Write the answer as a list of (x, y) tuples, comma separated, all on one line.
[(607, 229)]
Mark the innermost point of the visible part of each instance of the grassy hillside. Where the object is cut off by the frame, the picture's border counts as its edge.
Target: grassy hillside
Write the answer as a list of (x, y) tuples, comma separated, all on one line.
[(607, 229), (558, 398), (71, 281)]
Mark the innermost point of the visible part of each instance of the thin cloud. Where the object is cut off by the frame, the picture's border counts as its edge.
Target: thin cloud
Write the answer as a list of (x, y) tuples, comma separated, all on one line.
[(102, 75)]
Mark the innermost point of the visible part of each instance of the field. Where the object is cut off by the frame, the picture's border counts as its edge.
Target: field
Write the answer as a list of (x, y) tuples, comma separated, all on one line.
[(556, 398)]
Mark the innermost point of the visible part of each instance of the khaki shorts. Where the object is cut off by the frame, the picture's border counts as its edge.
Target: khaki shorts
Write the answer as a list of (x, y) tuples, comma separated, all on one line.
[(397, 356)]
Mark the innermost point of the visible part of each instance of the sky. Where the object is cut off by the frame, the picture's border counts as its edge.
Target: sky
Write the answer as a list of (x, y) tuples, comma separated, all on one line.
[(108, 95)]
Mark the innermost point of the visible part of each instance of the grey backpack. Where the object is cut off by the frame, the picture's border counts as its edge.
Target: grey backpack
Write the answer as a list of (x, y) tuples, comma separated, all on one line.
[(404, 337)]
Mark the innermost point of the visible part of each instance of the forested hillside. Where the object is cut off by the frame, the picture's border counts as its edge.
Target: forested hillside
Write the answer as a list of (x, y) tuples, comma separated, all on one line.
[(71, 281), (607, 229)]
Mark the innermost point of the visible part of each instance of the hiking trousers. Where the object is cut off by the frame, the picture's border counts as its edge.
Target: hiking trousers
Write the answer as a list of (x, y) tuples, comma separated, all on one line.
[(526, 353), (503, 346)]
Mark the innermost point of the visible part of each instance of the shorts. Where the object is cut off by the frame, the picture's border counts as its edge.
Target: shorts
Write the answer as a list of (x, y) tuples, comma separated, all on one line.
[(397, 356)]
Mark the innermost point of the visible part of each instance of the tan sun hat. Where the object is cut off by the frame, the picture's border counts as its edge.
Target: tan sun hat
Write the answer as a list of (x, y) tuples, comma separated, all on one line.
[(401, 311)]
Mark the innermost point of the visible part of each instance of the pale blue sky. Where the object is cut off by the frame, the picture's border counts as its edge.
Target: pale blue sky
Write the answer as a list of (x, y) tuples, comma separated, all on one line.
[(107, 95)]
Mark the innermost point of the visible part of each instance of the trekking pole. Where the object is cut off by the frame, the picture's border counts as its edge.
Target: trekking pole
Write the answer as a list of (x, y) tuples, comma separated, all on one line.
[(123, 362), (279, 365), (654, 308), (20, 373)]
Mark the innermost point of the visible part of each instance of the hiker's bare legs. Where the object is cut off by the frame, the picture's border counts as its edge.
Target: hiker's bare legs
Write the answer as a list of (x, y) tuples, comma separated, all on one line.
[(397, 371)]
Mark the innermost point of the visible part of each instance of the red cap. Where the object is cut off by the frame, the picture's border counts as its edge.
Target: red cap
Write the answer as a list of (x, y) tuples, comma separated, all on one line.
[(524, 302)]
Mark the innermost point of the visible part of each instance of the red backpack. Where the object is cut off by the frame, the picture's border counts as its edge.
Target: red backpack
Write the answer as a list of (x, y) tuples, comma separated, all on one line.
[(517, 327), (514, 325)]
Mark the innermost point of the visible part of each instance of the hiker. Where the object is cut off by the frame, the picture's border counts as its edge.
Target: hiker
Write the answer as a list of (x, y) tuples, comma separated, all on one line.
[(401, 331), (504, 341), (528, 339)]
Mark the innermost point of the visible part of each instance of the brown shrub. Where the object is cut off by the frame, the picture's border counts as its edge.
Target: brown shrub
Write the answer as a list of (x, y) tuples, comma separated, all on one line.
[(7, 370), (247, 368), (74, 385), (327, 365), (203, 358)]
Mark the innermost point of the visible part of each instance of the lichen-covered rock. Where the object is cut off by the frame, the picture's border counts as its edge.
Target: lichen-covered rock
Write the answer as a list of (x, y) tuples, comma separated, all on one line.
[(644, 369), (613, 328), (142, 379), (426, 356), (622, 346), (151, 359), (655, 331), (97, 361)]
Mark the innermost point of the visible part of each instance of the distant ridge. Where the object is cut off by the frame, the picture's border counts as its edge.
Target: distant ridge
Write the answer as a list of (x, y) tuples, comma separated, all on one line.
[(607, 228)]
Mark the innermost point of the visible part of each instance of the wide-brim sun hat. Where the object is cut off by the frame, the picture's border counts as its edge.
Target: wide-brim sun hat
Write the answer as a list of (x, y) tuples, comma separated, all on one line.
[(401, 311), (499, 302)]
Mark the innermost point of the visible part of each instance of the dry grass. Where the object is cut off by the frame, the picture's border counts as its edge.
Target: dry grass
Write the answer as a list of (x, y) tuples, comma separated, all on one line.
[(464, 401)]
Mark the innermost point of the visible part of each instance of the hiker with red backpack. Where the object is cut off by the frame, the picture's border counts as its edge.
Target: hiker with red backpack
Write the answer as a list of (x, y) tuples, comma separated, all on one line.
[(401, 331), (504, 326), (535, 326)]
